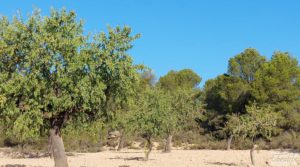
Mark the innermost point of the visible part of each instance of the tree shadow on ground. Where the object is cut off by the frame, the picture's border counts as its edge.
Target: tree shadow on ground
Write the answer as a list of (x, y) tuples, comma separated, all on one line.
[(222, 164), (130, 158), (28, 155), (15, 165), (128, 152)]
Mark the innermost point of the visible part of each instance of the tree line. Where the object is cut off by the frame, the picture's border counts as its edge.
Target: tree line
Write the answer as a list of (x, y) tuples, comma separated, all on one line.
[(53, 76)]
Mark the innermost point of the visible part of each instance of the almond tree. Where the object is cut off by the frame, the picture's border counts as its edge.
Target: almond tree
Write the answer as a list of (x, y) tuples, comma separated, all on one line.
[(257, 122), (185, 105), (150, 117), (50, 72)]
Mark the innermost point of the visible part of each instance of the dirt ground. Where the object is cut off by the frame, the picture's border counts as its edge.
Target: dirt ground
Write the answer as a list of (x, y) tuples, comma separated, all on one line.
[(177, 158)]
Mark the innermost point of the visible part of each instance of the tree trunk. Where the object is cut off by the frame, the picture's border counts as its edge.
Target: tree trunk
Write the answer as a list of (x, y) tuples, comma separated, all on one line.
[(229, 142), (58, 149), (149, 147), (50, 147), (121, 141), (252, 156), (168, 144)]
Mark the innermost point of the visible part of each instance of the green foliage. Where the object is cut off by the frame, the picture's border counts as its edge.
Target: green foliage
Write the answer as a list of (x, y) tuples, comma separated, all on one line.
[(233, 125), (278, 80), (151, 116), (245, 64), (187, 108), (251, 78), (258, 122), (115, 66), (183, 79), (52, 75), (82, 135), (224, 96), (2, 100), (27, 126), (50, 72), (277, 84), (185, 102)]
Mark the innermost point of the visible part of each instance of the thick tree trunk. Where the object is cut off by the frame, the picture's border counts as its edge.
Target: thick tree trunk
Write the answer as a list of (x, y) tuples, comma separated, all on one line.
[(168, 144), (252, 155), (229, 142), (121, 141), (149, 149), (50, 147), (58, 149)]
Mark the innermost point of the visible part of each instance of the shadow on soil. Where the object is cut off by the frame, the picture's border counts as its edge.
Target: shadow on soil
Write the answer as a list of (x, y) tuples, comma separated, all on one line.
[(130, 159), (12, 165), (222, 164)]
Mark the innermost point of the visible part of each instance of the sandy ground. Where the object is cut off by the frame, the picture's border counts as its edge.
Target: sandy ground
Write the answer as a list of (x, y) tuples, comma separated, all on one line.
[(180, 158)]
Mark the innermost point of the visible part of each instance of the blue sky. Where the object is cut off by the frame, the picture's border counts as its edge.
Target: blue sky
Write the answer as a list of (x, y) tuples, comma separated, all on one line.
[(178, 34)]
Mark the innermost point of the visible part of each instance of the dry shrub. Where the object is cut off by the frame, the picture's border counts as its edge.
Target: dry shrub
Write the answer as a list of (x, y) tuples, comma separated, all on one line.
[(287, 140)]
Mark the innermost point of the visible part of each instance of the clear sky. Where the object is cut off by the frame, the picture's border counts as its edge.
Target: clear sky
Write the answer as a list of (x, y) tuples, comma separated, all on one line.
[(177, 34)]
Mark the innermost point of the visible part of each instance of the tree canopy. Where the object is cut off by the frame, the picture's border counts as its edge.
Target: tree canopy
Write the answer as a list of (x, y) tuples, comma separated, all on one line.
[(53, 76), (50, 72)]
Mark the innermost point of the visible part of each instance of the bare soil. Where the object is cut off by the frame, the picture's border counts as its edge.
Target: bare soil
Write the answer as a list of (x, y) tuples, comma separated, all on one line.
[(177, 158)]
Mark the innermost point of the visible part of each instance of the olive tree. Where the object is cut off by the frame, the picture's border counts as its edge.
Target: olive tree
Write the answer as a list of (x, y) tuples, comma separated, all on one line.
[(50, 72)]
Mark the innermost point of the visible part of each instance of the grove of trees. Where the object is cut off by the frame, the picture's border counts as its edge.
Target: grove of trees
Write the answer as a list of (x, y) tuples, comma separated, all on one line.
[(55, 80)]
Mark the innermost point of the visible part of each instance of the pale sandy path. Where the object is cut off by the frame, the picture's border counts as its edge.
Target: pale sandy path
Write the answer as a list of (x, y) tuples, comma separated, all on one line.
[(178, 158)]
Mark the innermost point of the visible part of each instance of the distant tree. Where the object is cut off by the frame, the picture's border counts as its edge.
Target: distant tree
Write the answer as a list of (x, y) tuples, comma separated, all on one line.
[(251, 78), (186, 109), (245, 64), (151, 117), (119, 119), (227, 95), (183, 79), (182, 87), (278, 84), (224, 96), (50, 72)]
